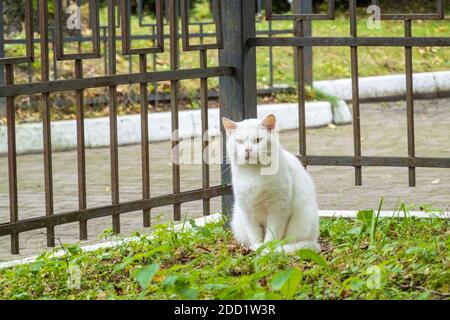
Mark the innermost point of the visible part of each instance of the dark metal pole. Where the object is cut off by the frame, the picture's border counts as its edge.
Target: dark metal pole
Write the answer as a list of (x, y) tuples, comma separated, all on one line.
[(2, 54), (305, 6), (238, 92)]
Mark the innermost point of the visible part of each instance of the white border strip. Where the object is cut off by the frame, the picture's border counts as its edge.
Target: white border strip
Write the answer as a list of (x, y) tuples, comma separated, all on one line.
[(387, 86), (215, 218)]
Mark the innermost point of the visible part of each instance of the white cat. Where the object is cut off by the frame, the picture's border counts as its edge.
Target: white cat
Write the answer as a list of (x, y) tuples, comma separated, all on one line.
[(274, 195)]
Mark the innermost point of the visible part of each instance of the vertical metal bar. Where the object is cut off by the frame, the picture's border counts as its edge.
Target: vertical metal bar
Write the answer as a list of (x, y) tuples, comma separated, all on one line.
[(355, 93), (114, 152), (130, 57), (410, 104), (55, 60), (46, 119), (205, 137), (270, 58), (81, 150), (155, 66), (95, 25), (237, 92), (58, 32), (268, 9), (440, 9), (140, 11), (105, 49), (2, 54), (301, 89), (12, 158), (175, 86), (298, 7), (144, 140)]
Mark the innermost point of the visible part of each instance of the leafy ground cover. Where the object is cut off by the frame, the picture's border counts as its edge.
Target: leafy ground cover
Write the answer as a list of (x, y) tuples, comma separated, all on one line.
[(364, 258)]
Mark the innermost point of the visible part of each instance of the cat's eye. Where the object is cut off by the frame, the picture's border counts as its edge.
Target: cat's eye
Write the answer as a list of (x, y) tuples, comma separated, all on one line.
[(240, 141)]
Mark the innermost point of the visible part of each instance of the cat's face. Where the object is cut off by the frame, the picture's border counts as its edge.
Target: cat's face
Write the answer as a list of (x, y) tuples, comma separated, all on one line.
[(250, 142)]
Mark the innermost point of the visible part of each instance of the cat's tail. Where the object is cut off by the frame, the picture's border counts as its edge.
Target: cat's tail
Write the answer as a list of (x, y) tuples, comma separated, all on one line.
[(293, 247)]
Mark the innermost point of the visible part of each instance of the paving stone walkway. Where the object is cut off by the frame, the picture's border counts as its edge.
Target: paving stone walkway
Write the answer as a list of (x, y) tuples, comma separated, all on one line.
[(383, 128)]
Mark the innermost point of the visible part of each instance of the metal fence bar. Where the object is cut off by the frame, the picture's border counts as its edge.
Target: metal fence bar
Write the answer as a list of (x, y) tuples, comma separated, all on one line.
[(55, 61), (364, 161), (105, 211), (12, 158), (300, 58), (2, 54), (112, 80), (350, 42), (46, 119), (145, 158), (155, 68), (355, 92), (298, 7), (114, 156), (410, 104), (174, 99), (81, 149), (205, 137), (2, 51)]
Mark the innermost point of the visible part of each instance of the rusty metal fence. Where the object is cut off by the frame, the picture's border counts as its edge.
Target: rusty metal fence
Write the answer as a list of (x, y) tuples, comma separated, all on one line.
[(353, 42), (45, 87), (155, 97), (236, 40)]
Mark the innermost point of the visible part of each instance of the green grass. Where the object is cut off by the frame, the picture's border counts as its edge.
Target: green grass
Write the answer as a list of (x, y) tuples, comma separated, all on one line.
[(365, 258)]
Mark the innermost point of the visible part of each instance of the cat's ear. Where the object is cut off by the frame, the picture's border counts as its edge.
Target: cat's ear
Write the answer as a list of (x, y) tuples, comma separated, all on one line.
[(228, 125), (269, 122)]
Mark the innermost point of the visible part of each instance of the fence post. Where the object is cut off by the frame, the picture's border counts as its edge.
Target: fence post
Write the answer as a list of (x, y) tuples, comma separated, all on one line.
[(2, 54), (305, 6), (237, 92)]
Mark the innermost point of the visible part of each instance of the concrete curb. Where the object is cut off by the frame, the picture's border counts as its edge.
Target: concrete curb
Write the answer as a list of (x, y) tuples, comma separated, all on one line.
[(215, 218), (387, 86), (29, 135)]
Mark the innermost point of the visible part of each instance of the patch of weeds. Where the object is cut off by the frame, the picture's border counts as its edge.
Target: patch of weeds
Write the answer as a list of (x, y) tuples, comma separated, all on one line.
[(371, 257)]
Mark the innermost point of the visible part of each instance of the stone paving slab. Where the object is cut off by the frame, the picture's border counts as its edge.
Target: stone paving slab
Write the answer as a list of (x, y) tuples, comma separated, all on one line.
[(383, 128)]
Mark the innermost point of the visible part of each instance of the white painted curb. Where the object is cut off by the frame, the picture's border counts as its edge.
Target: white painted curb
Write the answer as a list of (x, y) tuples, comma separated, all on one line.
[(386, 86), (215, 218), (29, 135)]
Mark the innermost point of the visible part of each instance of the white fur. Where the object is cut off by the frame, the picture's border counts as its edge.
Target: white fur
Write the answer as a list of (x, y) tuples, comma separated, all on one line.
[(279, 206)]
